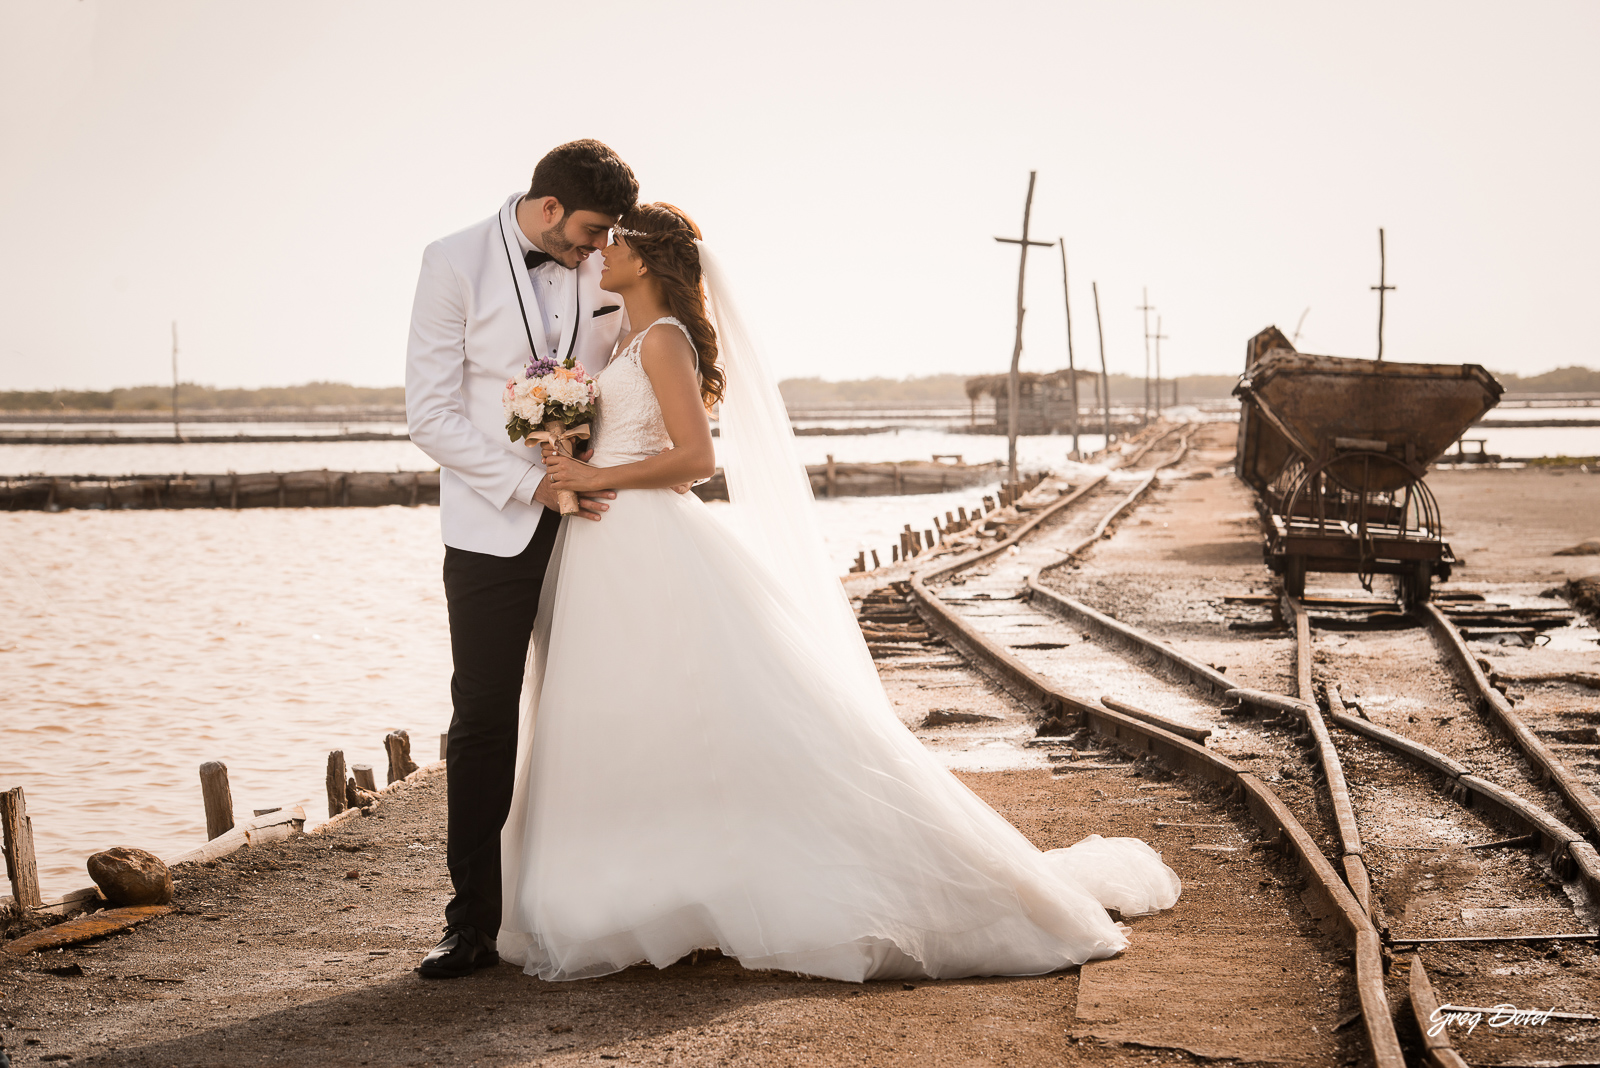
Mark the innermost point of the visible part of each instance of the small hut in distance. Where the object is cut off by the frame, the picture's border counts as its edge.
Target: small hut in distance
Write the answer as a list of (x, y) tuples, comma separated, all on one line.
[(1045, 400)]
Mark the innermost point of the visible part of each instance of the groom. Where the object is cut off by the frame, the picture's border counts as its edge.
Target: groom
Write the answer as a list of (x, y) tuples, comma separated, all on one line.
[(522, 282)]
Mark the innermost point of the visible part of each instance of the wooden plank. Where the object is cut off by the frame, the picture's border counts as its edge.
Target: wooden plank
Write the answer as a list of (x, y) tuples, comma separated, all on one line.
[(254, 832), (84, 928), (21, 866)]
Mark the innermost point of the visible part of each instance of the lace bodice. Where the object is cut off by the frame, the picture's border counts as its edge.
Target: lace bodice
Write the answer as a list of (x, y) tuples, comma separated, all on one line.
[(629, 426)]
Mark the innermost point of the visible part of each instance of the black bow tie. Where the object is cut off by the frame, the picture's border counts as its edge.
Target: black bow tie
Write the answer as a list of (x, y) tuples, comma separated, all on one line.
[(534, 258)]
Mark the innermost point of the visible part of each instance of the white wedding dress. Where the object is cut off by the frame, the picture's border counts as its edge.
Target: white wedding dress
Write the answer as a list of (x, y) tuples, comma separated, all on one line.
[(698, 768)]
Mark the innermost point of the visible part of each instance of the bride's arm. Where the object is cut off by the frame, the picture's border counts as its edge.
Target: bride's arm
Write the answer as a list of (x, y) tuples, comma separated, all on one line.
[(668, 360)]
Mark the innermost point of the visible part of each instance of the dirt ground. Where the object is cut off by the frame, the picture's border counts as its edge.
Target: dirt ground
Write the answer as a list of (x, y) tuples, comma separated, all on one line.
[(301, 952)]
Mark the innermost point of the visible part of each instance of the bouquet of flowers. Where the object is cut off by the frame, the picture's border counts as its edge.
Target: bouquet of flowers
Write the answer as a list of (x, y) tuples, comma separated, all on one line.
[(551, 401)]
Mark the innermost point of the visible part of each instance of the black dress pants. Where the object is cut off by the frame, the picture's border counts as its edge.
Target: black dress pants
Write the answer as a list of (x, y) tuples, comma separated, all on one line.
[(492, 602)]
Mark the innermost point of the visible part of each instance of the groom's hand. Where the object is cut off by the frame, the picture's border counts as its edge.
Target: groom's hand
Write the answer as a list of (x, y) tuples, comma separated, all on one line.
[(590, 505)]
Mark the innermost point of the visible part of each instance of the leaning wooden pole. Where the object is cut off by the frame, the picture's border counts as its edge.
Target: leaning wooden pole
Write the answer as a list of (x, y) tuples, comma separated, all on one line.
[(1072, 366), (1013, 384), (1105, 379)]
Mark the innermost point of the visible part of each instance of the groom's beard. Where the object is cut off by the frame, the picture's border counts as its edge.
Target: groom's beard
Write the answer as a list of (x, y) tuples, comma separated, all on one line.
[(556, 244)]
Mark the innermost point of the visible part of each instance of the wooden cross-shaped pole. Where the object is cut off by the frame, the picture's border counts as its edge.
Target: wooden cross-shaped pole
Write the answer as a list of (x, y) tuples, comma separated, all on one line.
[(1158, 337), (1146, 308), (1105, 379), (1013, 386), (1382, 287), (1072, 366)]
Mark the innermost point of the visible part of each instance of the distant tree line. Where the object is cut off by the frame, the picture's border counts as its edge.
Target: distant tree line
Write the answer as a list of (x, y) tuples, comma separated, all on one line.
[(195, 397), (942, 389), (951, 390)]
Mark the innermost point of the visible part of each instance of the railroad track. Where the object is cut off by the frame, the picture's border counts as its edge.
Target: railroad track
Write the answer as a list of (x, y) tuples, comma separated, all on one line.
[(1327, 786)]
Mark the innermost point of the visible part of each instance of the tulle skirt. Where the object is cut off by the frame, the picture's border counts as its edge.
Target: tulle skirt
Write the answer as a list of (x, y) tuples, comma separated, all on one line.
[(697, 770)]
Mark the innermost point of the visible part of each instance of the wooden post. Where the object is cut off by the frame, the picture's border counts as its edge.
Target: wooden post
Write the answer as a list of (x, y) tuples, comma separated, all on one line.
[(962, 512), (1105, 379), (931, 539), (21, 868), (1158, 337), (1072, 366), (833, 477), (1013, 387), (1146, 308), (875, 563), (1382, 287), (398, 744), (894, 554), (176, 435), (218, 798), (337, 801), (362, 774), (444, 744)]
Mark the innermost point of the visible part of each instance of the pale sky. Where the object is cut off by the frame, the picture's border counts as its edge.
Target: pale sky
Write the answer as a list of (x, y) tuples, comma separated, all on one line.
[(267, 174)]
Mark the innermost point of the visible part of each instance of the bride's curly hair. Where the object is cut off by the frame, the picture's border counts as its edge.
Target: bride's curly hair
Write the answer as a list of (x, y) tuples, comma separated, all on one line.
[(664, 238)]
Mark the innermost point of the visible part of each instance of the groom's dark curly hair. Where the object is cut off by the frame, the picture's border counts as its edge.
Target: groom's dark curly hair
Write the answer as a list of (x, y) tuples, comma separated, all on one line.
[(586, 176)]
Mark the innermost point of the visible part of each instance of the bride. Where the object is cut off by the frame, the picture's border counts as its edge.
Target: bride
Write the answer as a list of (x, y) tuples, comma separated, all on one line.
[(708, 758)]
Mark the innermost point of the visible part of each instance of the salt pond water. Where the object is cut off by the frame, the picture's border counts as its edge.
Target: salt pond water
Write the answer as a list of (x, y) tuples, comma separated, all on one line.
[(136, 645)]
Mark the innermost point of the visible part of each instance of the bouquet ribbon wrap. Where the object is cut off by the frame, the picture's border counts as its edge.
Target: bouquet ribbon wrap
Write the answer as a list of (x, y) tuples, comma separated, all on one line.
[(563, 439)]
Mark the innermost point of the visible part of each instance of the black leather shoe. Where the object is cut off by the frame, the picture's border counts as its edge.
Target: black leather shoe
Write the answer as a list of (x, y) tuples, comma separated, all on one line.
[(462, 951)]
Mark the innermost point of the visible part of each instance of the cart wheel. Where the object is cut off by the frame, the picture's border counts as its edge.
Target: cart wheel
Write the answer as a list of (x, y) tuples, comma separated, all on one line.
[(1294, 576)]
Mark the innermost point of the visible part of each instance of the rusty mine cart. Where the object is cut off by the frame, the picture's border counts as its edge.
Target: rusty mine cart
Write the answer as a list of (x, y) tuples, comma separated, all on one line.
[(1336, 449)]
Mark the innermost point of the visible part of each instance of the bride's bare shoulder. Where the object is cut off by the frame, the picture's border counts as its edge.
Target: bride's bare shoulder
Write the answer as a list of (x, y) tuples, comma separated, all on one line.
[(666, 347)]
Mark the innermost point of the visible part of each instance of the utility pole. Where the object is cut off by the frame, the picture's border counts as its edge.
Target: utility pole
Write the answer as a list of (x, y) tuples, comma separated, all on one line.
[(1146, 309), (1159, 337), (1105, 379), (1013, 387), (176, 435), (1382, 287), (1072, 366)]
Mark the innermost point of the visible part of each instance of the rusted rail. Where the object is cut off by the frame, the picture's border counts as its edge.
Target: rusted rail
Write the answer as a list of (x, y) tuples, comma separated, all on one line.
[(1141, 735), (1580, 799)]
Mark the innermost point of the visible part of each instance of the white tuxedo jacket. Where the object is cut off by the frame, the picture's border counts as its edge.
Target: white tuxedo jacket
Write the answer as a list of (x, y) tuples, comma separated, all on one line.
[(467, 338)]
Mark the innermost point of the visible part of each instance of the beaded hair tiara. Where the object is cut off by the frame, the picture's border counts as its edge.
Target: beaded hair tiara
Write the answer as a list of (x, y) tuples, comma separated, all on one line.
[(624, 232)]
